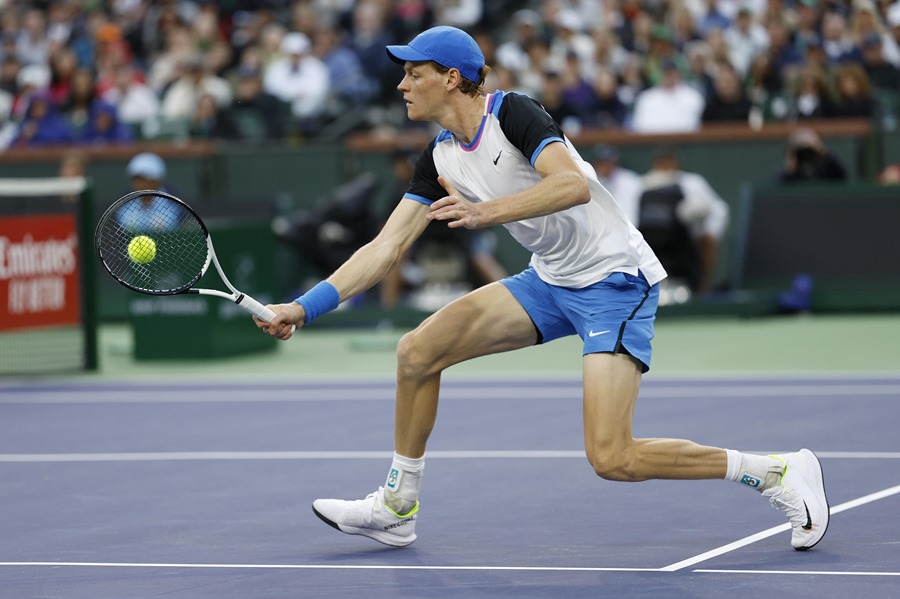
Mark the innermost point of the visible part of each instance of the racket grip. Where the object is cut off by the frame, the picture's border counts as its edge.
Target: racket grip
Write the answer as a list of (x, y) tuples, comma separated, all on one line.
[(257, 309)]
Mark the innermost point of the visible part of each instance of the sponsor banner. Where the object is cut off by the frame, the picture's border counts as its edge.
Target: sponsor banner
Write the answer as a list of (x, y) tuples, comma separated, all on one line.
[(39, 271)]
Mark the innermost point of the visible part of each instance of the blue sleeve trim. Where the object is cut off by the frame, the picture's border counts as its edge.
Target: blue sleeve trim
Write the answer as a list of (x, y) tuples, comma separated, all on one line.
[(543, 145), (420, 199)]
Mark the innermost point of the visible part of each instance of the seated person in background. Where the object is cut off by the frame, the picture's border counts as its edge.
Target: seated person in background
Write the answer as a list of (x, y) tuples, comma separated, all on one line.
[(854, 91), (682, 218), (444, 263), (625, 185), (808, 159), (728, 101), (670, 106)]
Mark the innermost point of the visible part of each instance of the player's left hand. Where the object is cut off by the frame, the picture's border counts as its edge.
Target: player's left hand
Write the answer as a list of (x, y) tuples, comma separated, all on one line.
[(456, 209)]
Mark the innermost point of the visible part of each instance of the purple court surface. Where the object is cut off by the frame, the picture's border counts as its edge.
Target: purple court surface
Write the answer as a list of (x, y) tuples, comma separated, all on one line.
[(196, 490)]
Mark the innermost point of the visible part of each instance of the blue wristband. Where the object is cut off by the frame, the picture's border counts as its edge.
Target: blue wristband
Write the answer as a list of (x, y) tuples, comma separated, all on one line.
[(319, 300)]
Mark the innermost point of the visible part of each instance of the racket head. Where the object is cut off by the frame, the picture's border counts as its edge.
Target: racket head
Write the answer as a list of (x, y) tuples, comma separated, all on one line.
[(179, 236)]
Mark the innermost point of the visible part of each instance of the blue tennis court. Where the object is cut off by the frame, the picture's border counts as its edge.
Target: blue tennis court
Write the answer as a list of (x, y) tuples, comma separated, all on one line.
[(203, 489)]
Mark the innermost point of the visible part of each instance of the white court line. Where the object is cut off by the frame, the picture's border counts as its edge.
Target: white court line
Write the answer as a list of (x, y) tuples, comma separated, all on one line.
[(806, 572), (775, 530), (407, 567), (176, 456), (325, 567), (338, 393)]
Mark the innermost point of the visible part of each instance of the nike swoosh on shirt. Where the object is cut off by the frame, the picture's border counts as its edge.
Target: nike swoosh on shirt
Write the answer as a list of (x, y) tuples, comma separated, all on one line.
[(593, 334), (497, 159)]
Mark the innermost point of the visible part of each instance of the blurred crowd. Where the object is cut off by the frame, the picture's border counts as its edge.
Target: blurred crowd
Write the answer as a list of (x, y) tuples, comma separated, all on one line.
[(88, 71)]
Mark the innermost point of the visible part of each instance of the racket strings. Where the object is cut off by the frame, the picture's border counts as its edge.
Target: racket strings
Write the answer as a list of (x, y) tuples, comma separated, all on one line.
[(178, 236)]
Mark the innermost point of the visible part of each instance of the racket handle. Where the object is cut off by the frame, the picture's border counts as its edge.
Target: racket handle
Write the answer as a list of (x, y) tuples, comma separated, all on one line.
[(257, 309)]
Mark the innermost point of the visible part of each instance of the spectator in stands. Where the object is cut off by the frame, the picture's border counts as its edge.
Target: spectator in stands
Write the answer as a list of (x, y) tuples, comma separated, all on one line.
[(350, 86), (882, 74), (103, 126), (854, 92), (713, 18), (728, 101), (81, 102), (807, 159), (513, 53), (43, 125), (255, 114), (63, 63), (669, 107), (811, 98), (368, 37), (836, 40), (31, 80), (783, 54), (300, 79), (865, 21), (745, 39), (569, 39), (208, 122), (683, 219), (464, 14), (698, 75), (608, 52), (180, 101), (625, 185), (32, 43), (608, 110), (137, 105)]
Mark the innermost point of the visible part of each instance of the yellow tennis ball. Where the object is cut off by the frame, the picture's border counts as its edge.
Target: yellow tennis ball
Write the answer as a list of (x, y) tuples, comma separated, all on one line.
[(142, 249)]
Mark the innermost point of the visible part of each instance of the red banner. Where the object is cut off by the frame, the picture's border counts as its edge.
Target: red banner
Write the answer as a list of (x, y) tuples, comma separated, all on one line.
[(39, 271)]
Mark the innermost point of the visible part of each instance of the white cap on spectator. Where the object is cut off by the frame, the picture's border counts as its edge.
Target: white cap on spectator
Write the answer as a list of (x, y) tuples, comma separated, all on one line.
[(893, 14), (147, 165), (295, 43), (526, 16), (35, 75), (569, 19)]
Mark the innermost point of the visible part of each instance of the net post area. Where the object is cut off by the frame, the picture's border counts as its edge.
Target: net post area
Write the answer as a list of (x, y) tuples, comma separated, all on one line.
[(47, 276)]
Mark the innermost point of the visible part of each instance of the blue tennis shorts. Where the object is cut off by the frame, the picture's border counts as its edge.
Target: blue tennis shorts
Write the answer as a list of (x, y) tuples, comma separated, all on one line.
[(613, 315)]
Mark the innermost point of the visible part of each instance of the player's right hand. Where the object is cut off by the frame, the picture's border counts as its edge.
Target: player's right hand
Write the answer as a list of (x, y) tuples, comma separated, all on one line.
[(287, 317)]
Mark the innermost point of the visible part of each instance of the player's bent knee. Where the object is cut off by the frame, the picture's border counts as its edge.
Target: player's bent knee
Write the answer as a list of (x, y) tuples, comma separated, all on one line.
[(413, 358), (615, 465)]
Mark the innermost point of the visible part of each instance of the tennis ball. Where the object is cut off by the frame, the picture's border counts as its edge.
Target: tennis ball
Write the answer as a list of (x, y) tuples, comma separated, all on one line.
[(142, 249)]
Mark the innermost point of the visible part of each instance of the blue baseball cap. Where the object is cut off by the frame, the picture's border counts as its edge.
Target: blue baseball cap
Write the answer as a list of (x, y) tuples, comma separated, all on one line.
[(147, 165), (448, 46)]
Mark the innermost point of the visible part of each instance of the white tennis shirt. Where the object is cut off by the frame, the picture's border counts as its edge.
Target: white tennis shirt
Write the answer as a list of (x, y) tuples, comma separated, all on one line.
[(574, 248)]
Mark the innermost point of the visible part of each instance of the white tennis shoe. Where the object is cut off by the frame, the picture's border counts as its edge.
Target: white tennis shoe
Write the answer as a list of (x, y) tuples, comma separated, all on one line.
[(801, 496), (369, 517)]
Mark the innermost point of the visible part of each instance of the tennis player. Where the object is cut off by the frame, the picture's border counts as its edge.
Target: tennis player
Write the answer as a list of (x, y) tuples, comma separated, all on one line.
[(502, 160)]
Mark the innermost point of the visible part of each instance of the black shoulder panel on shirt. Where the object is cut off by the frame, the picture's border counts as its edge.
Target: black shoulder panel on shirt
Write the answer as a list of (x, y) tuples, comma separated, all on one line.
[(526, 124), (424, 180)]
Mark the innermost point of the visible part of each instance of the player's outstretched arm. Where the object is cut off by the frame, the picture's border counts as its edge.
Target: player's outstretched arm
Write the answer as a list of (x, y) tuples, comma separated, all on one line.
[(366, 267)]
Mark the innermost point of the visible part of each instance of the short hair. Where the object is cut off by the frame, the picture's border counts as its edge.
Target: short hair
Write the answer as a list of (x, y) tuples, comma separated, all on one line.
[(467, 86)]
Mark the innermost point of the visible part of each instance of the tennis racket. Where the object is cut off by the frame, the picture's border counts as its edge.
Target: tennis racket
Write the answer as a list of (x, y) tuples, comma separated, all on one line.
[(154, 243)]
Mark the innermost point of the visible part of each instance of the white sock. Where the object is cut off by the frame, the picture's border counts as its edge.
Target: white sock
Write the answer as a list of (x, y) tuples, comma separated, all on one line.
[(759, 472), (401, 490)]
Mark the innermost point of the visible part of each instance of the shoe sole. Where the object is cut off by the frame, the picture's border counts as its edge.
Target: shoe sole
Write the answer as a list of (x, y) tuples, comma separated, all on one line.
[(819, 484), (380, 536)]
